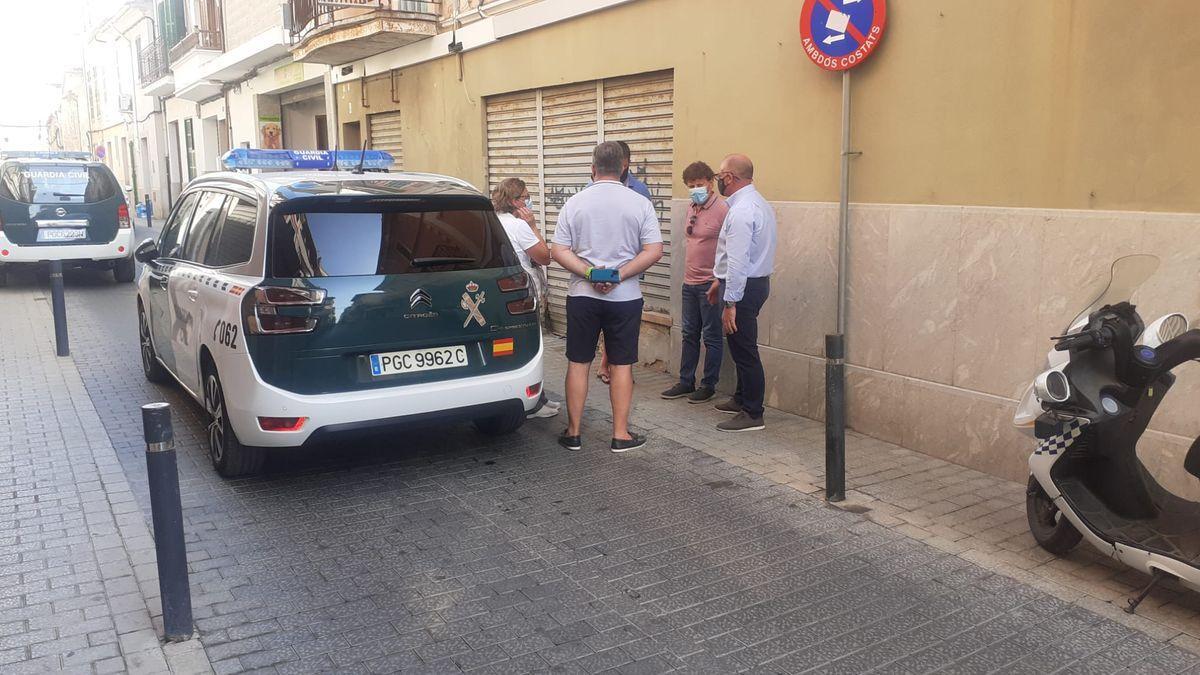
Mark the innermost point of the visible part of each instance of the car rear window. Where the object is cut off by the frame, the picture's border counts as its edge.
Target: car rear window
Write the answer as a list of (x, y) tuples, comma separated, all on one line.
[(382, 241), (57, 184)]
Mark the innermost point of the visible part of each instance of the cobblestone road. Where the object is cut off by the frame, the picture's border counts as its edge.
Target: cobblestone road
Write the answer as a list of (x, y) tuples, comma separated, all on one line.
[(443, 551)]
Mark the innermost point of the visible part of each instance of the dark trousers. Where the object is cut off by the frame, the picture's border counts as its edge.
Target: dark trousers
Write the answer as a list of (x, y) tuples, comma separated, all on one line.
[(743, 347), (700, 320)]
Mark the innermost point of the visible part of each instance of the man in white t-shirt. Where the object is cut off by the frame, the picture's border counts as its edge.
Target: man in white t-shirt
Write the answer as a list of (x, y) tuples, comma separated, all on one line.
[(606, 226)]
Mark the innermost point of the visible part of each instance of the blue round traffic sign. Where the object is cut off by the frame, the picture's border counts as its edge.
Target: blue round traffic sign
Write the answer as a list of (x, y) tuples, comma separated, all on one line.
[(841, 34)]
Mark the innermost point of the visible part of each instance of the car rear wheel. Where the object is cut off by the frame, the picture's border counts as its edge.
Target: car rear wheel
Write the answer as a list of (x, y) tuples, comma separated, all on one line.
[(1049, 526), (229, 457), (124, 270), (504, 423), (151, 366)]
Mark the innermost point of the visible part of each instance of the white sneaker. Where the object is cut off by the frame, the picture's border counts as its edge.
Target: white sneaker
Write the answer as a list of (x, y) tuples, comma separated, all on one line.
[(552, 404), (542, 413)]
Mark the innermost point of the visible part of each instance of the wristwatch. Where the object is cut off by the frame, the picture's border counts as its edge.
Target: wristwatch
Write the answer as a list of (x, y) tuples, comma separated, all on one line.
[(729, 305)]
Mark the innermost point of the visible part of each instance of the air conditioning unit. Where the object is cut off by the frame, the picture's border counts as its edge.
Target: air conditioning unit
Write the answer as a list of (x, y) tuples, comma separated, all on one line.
[(126, 103)]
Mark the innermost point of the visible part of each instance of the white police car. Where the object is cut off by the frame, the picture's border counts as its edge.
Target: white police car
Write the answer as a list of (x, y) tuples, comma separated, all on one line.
[(61, 206), (297, 305)]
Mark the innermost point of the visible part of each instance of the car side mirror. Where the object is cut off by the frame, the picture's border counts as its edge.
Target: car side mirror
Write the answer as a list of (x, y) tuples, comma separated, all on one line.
[(146, 251)]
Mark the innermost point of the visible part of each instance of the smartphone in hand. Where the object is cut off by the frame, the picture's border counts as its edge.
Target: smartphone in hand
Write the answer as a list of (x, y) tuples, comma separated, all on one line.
[(605, 276)]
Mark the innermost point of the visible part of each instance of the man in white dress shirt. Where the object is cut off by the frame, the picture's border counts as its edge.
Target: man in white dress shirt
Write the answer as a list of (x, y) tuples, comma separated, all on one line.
[(745, 260)]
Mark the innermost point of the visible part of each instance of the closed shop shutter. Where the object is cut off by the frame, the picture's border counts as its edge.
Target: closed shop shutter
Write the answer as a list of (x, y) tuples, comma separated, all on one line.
[(569, 135), (640, 111), (386, 135), (547, 136)]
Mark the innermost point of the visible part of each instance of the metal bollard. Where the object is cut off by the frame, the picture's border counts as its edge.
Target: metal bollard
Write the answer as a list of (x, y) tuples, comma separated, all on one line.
[(59, 303), (167, 513), (149, 212), (835, 418)]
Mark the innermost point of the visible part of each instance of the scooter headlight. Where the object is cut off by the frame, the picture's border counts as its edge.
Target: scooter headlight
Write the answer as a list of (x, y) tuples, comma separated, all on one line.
[(1053, 386)]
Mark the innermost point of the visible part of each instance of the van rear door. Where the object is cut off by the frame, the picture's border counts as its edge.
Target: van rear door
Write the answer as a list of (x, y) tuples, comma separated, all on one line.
[(46, 203), (373, 292)]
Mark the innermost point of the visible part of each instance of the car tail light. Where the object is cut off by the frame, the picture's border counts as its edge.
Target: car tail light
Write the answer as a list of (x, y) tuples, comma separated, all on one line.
[(265, 319), (517, 282), (281, 423), (533, 390), (525, 305), (123, 217)]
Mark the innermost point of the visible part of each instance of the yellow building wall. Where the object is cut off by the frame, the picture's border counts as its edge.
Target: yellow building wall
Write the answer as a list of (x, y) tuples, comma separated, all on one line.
[(1088, 104)]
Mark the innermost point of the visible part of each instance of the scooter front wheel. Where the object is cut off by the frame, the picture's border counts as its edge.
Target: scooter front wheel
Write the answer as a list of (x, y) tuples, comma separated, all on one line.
[(1050, 528)]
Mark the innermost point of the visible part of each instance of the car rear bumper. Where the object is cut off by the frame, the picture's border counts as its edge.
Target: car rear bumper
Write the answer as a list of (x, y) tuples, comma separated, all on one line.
[(120, 247), (247, 398)]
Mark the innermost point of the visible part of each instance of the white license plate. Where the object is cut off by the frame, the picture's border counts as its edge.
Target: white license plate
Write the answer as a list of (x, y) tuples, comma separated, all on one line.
[(61, 234), (416, 360)]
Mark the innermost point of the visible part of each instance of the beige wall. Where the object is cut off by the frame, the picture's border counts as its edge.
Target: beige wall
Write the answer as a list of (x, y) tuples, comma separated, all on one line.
[(1011, 149), (1046, 103), (246, 19)]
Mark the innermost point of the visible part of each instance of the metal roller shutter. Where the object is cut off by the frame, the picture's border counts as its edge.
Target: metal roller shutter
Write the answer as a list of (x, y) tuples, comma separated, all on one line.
[(386, 135), (546, 137), (640, 111), (570, 133)]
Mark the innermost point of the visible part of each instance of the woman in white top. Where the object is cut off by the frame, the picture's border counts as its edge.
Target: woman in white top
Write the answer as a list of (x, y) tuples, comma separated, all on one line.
[(514, 208)]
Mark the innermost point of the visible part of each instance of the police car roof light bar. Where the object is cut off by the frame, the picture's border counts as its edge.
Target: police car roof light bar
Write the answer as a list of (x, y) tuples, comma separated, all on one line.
[(248, 159)]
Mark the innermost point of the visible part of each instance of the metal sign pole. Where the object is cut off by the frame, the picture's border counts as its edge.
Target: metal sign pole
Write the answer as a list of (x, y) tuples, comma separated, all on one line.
[(835, 345)]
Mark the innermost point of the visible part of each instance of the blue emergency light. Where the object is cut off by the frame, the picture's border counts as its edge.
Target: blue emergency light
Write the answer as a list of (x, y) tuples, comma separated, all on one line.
[(245, 159), (44, 154)]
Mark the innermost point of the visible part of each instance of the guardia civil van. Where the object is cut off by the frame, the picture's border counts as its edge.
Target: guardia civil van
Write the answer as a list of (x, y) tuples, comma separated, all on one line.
[(295, 305), (61, 206)]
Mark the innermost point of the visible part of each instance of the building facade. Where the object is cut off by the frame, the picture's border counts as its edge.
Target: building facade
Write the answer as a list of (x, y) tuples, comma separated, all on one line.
[(223, 77), (1009, 154)]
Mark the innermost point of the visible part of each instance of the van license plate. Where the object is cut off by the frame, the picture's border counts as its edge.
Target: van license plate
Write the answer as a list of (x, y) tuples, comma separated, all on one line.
[(61, 234), (415, 360)]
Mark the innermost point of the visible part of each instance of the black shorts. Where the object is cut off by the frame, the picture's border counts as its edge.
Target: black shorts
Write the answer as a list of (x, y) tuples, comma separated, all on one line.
[(621, 323)]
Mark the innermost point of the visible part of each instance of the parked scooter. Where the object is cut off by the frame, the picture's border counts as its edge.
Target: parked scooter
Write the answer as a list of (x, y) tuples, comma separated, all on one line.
[(1107, 375)]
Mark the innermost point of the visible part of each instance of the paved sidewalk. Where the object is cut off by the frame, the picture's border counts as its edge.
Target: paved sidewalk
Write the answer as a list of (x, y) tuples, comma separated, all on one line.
[(78, 586), (971, 514), (443, 550)]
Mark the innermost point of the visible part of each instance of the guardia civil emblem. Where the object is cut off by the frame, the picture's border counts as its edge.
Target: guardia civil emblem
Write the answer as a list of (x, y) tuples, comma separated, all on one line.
[(471, 300)]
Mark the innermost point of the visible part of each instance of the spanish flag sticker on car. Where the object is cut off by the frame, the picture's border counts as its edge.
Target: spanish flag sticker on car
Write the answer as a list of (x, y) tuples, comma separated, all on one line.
[(503, 347)]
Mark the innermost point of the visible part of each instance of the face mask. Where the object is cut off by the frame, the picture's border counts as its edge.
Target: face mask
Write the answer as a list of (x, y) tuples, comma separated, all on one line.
[(625, 176), (699, 196), (529, 204), (721, 187)]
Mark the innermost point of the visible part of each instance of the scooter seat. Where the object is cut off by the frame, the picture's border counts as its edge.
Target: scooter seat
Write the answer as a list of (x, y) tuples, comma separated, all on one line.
[(1192, 461)]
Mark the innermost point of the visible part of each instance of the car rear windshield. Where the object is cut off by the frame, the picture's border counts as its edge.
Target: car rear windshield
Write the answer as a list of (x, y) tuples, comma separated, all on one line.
[(381, 239), (57, 183)]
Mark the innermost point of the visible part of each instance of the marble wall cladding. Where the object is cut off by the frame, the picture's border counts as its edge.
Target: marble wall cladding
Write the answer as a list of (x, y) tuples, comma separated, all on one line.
[(802, 309), (866, 316), (950, 314)]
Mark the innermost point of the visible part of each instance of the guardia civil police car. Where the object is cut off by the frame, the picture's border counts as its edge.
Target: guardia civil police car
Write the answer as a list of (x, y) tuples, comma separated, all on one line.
[(62, 206), (296, 305)]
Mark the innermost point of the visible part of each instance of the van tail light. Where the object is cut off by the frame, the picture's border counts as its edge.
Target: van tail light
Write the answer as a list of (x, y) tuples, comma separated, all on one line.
[(281, 423), (517, 282), (123, 217), (525, 305), (264, 317)]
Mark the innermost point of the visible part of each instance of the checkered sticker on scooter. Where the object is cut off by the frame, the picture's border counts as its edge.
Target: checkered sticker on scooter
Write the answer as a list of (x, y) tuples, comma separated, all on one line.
[(1062, 441)]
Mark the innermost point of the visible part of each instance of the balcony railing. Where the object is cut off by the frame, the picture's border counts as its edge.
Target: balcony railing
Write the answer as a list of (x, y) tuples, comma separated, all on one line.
[(206, 35), (152, 62), (309, 15)]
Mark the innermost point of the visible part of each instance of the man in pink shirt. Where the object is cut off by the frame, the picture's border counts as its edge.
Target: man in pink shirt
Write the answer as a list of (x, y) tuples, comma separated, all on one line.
[(700, 318)]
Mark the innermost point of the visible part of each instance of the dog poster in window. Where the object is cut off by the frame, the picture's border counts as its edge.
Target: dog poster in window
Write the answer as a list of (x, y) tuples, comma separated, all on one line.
[(270, 132)]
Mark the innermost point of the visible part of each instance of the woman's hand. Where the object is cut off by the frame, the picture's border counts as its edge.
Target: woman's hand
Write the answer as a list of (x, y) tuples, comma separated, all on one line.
[(526, 215)]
